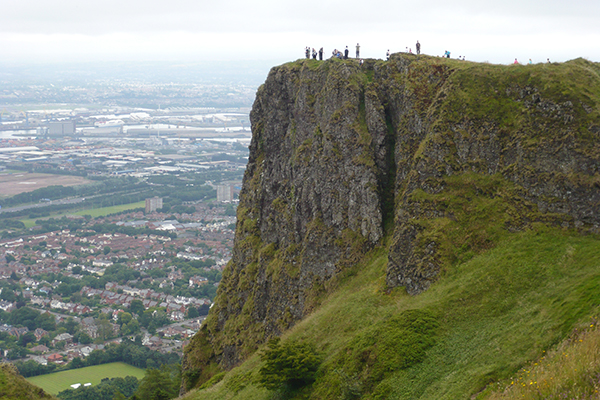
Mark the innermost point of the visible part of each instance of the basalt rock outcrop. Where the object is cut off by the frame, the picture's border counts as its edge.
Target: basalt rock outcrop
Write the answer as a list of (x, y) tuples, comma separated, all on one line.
[(342, 156)]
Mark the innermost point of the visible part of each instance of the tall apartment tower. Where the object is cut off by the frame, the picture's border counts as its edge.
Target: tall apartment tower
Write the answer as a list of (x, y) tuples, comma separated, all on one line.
[(153, 204), (224, 193)]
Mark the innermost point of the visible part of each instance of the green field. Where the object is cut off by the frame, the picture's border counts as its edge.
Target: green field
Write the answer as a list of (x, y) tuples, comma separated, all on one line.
[(95, 212), (100, 212), (59, 381)]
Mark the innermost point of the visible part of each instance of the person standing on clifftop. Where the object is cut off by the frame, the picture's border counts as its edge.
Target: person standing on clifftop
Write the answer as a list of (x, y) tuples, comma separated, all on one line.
[(346, 53), (387, 55), (307, 52), (418, 47), (357, 50), (314, 53), (321, 54)]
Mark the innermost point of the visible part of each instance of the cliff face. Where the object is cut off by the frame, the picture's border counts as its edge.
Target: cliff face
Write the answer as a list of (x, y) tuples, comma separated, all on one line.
[(344, 155)]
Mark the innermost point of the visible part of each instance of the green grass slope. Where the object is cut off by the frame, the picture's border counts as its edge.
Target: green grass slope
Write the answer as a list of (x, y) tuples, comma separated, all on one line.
[(14, 387), (568, 371), (488, 315)]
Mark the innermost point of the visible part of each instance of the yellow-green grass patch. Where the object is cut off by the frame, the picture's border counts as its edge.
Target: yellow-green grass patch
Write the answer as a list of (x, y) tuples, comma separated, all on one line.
[(59, 381), (94, 212)]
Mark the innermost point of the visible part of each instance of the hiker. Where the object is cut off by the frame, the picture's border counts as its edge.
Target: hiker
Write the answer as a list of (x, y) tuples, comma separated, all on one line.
[(314, 52), (418, 47), (387, 55), (321, 54), (307, 52), (361, 62), (357, 50), (346, 53), (516, 62), (446, 54), (530, 62)]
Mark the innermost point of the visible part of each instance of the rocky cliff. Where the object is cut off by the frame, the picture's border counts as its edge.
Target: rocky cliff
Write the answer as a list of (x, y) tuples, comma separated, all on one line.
[(346, 157)]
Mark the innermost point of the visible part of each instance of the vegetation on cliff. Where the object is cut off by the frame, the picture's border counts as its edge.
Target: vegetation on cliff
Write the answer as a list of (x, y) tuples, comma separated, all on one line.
[(13, 386), (482, 187)]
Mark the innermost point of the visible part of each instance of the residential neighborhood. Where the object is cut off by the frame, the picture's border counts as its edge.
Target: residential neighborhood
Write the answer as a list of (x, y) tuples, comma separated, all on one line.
[(164, 281)]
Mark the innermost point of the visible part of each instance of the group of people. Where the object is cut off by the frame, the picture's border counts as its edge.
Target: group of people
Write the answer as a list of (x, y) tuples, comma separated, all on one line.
[(314, 53), (334, 53), (344, 56)]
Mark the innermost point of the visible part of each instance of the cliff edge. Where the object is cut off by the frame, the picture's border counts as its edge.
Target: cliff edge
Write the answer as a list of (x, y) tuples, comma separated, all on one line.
[(346, 158)]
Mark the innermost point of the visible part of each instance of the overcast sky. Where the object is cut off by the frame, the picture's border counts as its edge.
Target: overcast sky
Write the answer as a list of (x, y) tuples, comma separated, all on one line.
[(279, 30)]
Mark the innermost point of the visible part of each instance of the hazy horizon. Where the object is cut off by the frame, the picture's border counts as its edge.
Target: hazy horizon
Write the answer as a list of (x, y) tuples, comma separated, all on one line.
[(36, 31)]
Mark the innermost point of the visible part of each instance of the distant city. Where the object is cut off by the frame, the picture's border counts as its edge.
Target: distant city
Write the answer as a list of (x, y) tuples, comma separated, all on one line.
[(118, 199)]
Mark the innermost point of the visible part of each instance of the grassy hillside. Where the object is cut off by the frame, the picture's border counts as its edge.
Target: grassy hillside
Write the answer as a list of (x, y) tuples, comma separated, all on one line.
[(494, 313), (14, 387), (568, 371)]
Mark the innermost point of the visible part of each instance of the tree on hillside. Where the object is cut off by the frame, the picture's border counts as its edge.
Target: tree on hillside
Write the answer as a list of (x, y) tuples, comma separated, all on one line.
[(159, 384), (290, 364)]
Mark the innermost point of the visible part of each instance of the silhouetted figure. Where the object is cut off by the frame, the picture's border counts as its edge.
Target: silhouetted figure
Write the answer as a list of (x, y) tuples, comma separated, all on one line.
[(321, 54), (418, 47), (307, 52), (314, 52), (346, 53), (357, 50), (387, 55)]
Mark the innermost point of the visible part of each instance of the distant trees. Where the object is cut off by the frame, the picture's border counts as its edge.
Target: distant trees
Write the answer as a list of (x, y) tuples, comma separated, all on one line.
[(49, 192), (105, 330), (31, 318), (107, 389), (137, 307), (83, 338), (32, 368), (153, 320)]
